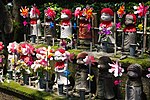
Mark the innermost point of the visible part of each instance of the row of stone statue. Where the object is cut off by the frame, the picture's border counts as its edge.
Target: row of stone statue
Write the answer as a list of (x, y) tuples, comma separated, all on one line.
[(84, 17), (102, 84)]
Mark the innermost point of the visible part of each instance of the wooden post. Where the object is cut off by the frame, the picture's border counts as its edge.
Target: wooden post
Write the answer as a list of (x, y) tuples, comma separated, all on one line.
[(144, 33), (115, 45), (94, 24)]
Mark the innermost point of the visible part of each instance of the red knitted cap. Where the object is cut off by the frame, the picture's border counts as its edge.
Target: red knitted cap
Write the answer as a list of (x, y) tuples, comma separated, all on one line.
[(67, 12), (108, 11)]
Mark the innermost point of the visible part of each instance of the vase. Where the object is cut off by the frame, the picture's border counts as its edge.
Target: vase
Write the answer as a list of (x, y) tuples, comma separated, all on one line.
[(60, 89), (132, 49), (10, 74), (82, 94), (26, 79)]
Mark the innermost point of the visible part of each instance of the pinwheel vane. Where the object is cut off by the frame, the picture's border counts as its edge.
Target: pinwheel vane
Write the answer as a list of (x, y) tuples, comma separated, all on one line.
[(141, 10), (121, 11), (116, 69), (148, 75)]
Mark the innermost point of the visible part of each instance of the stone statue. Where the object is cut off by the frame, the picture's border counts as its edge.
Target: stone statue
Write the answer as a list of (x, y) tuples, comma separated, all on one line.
[(61, 67), (35, 23), (129, 31), (106, 30), (81, 75), (134, 87), (105, 86), (84, 34), (50, 30)]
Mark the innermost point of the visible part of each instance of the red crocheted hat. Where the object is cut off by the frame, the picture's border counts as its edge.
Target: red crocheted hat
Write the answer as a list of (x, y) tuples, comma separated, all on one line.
[(67, 12), (108, 11)]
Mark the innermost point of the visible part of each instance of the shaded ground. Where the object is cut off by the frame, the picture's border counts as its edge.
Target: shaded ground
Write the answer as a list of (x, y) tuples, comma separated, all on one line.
[(5, 96)]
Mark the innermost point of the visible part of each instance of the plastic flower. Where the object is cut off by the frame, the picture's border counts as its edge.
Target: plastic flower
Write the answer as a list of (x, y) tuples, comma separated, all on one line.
[(77, 12), (26, 49), (116, 82), (121, 11), (141, 9), (24, 11), (140, 26), (12, 47), (90, 77), (41, 53), (50, 13), (116, 69), (105, 31), (118, 25), (25, 23), (1, 46)]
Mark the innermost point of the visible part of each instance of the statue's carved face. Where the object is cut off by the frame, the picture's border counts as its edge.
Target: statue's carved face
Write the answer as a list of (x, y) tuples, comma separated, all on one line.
[(106, 17), (129, 19), (134, 71)]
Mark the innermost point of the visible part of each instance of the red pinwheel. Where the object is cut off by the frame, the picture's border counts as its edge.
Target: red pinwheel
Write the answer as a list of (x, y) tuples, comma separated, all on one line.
[(89, 60), (141, 9)]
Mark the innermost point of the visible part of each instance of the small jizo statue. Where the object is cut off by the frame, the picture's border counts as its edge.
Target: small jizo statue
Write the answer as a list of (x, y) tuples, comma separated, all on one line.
[(105, 86), (134, 87), (66, 25), (35, 23), (84, 16), (50, 29), (106, 27), (130, 31), (81, 75)]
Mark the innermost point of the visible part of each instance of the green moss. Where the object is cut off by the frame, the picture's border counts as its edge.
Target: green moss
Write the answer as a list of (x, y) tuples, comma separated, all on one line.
[(38, 95)]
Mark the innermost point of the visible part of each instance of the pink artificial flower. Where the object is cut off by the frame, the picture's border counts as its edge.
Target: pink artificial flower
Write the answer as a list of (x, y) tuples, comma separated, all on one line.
[(25, 23), (89, 27), (116, 82), (44, 62), (77, 12), (118, 25), (1, 46)]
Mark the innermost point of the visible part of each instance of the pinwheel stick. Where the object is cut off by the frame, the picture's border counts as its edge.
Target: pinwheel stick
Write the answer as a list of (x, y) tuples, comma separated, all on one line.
[(89, 79)]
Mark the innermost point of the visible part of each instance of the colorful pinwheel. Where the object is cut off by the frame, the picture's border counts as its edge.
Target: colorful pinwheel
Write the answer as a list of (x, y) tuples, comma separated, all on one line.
[(50, 13), (12, 47), (89, 60), (118, 25), (141, 9), (90, 77), (24, 12), (116, 69), (77, 12), (121, 11)]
